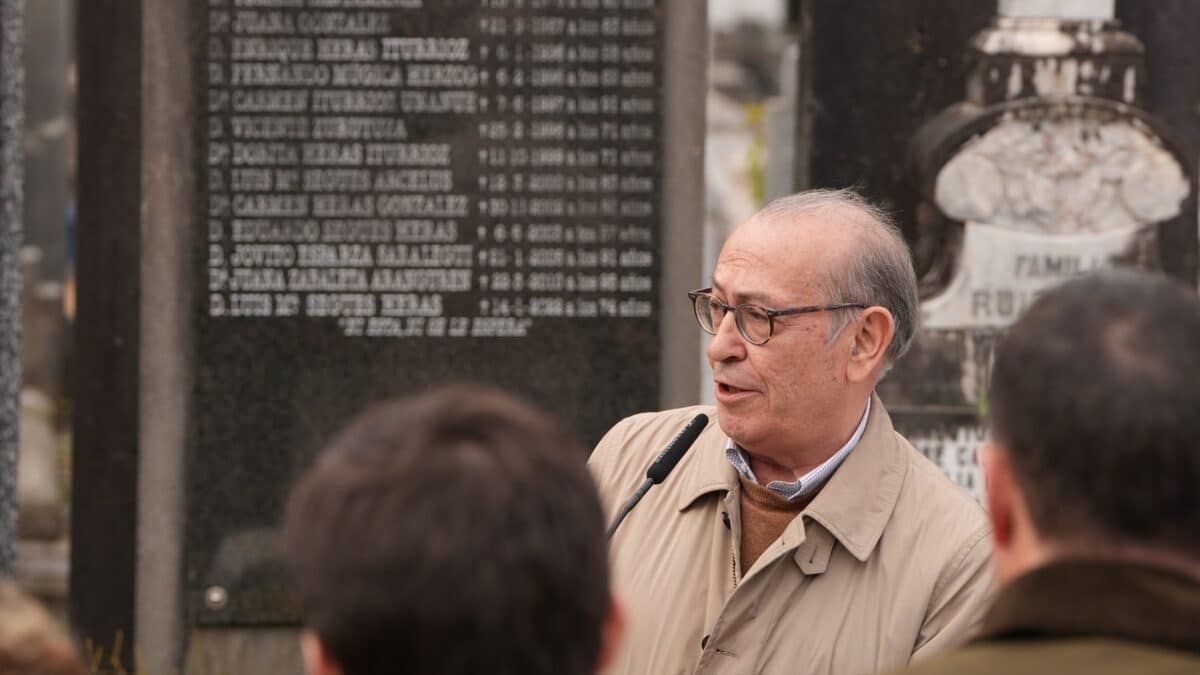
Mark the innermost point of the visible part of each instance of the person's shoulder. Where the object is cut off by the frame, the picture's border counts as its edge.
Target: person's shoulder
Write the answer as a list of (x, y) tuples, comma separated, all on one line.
[(1094, 655), (974, 659)]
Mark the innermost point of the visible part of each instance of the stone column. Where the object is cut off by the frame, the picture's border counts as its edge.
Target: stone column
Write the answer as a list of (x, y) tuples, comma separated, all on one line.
[(12, 122), (685, 58), (106, 387)]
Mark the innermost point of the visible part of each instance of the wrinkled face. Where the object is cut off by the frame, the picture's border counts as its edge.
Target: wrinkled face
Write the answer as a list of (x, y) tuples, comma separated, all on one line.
[(775, 398)]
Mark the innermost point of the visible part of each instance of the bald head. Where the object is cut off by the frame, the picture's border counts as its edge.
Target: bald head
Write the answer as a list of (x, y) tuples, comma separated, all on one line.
[(867, 260)]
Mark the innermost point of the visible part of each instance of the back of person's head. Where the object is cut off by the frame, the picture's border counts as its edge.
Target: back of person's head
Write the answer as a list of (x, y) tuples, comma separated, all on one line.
[(455, 532), (31, 642), (1095, 400)]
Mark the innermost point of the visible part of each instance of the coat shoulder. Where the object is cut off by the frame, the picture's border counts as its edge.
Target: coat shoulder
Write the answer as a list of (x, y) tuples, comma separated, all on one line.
[(929, 491), (948, 527)]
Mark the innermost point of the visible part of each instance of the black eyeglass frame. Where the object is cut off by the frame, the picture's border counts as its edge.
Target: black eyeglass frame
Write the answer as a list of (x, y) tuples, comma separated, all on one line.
[(769, 312)]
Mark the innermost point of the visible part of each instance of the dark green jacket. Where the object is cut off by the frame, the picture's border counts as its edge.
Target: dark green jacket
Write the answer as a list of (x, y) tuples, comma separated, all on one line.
[(1098, 618)]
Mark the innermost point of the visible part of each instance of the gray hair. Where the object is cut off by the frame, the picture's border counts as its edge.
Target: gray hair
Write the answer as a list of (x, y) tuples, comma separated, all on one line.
[(879, 272)]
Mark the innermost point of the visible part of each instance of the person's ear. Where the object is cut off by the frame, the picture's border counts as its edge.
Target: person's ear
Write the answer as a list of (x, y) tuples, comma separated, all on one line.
[(613, 633), (317, 659), (1001, 494), (870, 337)]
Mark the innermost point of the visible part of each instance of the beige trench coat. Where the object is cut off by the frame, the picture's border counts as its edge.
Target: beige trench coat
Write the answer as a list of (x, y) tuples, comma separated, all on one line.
[(889, 562)]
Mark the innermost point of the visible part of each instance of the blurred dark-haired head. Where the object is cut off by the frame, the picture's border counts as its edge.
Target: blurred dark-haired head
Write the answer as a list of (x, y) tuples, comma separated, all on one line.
[(1095, 403), (455, 532)]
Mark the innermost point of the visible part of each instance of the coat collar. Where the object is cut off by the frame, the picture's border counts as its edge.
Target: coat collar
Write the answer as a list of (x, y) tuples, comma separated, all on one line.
[(710, 471), (854, 506), (1098, 598)]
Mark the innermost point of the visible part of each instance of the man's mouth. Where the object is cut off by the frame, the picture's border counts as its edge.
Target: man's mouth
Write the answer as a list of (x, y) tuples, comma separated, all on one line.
[(730, 389)]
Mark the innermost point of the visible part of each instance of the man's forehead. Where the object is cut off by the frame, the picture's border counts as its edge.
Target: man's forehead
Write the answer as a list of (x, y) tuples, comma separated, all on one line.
[(739, 291), (768, 242), (762, 275), (826, 221), (770, 255)]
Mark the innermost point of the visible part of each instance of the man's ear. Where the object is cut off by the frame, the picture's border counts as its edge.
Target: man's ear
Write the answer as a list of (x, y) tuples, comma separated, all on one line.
[(1001, 492), (613, 633), (317, 659), (871, 335)]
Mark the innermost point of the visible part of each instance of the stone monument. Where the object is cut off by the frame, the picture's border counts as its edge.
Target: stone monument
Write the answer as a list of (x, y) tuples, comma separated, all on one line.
[(1061, 155), (342, 201)]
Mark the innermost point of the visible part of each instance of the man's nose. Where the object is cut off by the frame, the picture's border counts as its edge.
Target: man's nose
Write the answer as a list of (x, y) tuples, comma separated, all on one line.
[(727, 344)]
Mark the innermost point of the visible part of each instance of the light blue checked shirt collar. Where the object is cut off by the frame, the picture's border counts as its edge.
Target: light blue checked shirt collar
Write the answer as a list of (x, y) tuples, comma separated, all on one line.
[(809, 483)]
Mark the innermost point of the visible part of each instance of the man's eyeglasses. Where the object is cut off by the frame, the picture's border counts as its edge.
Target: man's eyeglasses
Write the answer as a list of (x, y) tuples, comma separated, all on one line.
[(755, 323)]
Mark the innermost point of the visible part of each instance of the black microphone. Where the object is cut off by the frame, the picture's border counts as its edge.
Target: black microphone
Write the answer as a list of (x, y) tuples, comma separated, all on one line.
[(663, 464)]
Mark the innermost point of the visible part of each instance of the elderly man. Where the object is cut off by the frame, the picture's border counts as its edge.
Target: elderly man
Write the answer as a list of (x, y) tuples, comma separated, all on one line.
[(802, 534), (1092, 485)]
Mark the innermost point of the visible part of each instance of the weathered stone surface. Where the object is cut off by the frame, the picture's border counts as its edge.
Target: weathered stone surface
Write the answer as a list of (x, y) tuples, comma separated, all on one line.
[(1072, 175), (11, 191)]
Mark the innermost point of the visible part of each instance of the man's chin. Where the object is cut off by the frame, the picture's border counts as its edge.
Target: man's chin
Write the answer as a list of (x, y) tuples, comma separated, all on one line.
[(735, 426)]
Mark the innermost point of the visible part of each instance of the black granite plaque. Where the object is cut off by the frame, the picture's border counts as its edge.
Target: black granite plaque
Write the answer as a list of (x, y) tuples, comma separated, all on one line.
[(398, 193)]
